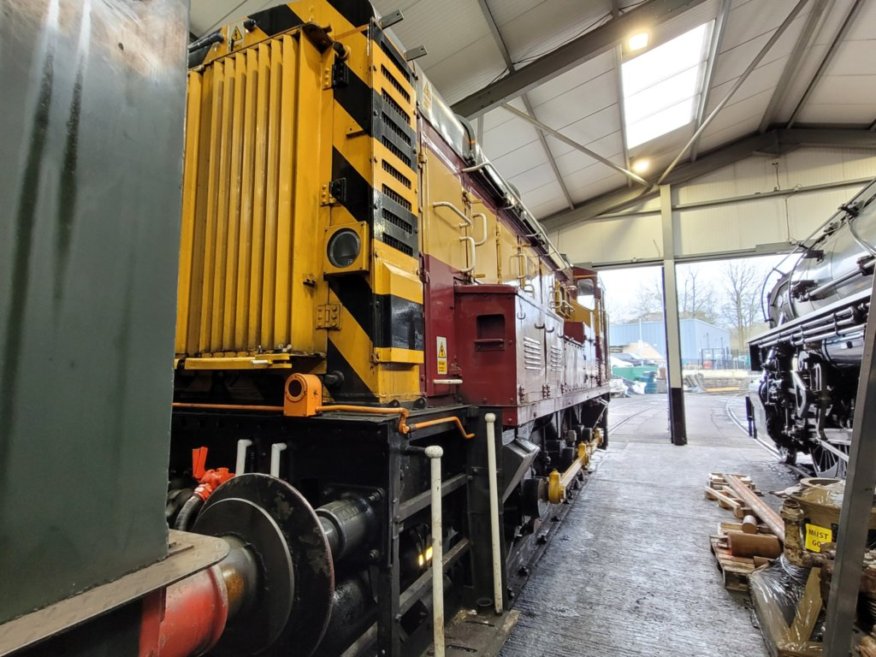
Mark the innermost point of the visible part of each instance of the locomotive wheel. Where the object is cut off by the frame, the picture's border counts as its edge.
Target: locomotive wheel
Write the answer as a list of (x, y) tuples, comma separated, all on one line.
[(306, 547), (827, 464)]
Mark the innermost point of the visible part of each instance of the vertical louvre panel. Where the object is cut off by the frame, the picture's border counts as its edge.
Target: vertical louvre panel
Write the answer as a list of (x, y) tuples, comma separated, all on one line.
[(236, 266), (286, 173), (246, 198), (234, 194), (270, 253), (218, 301), (187, 236), (209, 219), (258, 215)]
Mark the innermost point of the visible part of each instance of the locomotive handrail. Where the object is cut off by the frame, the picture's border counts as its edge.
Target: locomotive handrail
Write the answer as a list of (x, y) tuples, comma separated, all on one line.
[(467, 223), (447, 204), (472, 252), (485, 229)]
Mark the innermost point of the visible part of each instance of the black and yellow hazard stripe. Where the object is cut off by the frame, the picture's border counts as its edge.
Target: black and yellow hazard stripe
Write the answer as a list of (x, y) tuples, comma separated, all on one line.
[(379, 344), (340, 17)]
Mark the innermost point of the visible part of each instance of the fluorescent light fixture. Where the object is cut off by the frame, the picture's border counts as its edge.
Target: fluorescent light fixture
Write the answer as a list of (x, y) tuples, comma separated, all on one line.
[(637, 41), (642, 165), (662, 87)]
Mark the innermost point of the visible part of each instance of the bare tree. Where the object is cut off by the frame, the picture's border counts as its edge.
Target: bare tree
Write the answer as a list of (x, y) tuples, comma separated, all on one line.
[(696, 297), (742, 284), (648, 302)]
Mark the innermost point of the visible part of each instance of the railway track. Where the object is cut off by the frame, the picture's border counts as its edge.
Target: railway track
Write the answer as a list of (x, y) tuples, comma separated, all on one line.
[(627, 418), (801, 471)]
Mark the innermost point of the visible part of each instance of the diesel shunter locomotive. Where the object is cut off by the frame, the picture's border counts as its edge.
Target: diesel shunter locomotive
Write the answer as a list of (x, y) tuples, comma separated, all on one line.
[(358, 283), (811, 356)]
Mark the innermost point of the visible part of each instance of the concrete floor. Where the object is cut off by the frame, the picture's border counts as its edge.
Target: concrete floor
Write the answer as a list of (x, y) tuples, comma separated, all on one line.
[(630, 572)]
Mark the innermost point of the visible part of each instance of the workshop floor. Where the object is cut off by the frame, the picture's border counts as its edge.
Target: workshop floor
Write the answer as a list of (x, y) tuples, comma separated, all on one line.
[(630, 572)]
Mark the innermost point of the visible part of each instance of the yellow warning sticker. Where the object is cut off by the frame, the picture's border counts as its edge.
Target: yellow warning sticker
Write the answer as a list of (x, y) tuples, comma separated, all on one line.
[(442, 355), (816, 536)]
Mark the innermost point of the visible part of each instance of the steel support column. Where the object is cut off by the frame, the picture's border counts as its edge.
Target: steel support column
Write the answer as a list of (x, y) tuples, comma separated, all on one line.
[(857, 502), (677, 428)]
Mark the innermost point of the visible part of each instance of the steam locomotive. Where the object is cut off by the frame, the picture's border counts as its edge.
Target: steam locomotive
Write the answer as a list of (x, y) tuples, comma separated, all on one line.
[(358, 283), (811, 356)]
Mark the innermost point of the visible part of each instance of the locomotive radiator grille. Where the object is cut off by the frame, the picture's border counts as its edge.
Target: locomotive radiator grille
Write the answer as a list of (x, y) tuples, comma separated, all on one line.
[(246, 205)]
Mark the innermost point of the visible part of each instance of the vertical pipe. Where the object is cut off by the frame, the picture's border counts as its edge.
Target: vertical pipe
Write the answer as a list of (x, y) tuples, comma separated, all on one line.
[(276, 450), (434, 452), (490, 419), (242, 448)]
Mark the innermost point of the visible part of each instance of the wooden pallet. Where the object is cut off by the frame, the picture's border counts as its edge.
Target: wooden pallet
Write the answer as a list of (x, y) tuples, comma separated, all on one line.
[(734, 570), (718, 490)]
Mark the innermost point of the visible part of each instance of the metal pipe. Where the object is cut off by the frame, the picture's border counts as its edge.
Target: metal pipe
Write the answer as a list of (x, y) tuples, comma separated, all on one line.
[(441, 420), (434, 453), (490, 419), (228, 407), (739, 82), (243, 446), (276, 450)]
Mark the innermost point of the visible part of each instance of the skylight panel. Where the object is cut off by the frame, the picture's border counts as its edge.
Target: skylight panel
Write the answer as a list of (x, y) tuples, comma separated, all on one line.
[(662, 87)]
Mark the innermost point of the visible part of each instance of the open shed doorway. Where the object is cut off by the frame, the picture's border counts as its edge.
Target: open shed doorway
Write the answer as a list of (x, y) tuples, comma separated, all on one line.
[(719, 307), (637, 347)]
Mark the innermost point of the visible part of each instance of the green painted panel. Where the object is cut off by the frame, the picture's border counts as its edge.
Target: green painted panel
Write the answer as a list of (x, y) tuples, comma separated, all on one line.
[(92, 130)]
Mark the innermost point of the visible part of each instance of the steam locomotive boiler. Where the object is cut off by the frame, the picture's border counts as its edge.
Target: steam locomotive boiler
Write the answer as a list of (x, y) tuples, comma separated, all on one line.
[(357, 283), (811, 356)]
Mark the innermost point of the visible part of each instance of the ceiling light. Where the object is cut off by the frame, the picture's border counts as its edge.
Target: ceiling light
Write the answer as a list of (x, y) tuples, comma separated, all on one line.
[(642, 165), (637, 41)]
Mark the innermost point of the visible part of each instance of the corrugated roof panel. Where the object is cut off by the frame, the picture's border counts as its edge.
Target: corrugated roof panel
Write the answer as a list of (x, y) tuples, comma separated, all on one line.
[(481, 62), (864, 27), (573, 160), (497, 117), (836, 113), (508, 137), (582, 187), (764, 78), (594, 127), (747, 125), (546, 197), (534, 179), (580, 102), (550, 206), (842, 99), (521, 160)]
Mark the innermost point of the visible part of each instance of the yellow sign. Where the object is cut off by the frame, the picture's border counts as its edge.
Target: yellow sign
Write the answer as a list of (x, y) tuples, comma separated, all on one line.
[(442, 355), (816, 536)]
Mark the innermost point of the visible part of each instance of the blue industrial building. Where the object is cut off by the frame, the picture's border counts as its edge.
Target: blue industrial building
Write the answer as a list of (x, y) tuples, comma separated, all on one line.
[(701, 342)]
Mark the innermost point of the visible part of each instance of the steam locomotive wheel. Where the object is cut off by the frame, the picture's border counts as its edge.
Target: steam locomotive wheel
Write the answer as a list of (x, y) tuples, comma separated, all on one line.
[(828, 464)]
